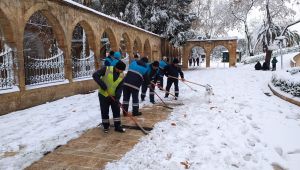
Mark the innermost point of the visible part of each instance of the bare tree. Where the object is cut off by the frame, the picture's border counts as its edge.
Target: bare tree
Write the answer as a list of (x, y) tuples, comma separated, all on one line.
[(276, 13), (240, 10), (212, 17)]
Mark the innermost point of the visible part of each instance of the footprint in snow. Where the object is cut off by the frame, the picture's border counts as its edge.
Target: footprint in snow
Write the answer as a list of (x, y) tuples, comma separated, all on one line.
[(255, 126)]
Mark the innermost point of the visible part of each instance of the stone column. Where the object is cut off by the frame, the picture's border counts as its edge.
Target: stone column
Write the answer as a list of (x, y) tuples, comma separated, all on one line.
[(232, 54), (185, 57)]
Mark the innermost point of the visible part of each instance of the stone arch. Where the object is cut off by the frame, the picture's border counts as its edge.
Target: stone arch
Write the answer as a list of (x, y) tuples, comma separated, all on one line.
[(147, 50), (111, 38), (125, 47), (83, 60), (197, 51), (53, 21), (42, 39), (125, 44), (7, 30), (137, 46), (89, 32), (216, 54), (7, 56)]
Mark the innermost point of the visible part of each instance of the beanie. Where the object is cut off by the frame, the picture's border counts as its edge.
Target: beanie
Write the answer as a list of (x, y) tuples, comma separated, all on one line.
[(121, 66), (155, 63), (144, 59), (111, 53), (175, 61), (117, 55)]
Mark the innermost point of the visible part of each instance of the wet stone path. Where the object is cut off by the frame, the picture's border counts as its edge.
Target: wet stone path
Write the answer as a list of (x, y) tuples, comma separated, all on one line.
[(94, 149)]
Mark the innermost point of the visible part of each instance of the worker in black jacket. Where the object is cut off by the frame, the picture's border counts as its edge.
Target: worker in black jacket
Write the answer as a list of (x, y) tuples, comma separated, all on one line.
[(110, 80), (173, 71), (137, 73), (153, 75)]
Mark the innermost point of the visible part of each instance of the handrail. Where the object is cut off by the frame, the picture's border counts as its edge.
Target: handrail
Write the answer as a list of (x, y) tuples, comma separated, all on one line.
[(60, 53), (92, 54)]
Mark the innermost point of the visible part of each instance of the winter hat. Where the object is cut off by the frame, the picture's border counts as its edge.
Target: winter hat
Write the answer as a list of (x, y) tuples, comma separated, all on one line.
[(144, 59), (111, 53), (121, 66), (175, 61), (117, 55), (155, 63)]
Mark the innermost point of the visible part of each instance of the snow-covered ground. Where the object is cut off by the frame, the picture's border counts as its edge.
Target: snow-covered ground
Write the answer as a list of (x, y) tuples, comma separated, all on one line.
[(240, 128)]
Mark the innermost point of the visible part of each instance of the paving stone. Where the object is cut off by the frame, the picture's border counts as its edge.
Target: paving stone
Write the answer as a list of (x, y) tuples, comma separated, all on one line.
[(94, 149)]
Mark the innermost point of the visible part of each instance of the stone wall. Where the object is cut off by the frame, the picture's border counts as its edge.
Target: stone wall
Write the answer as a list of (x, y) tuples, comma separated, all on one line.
[(63, 17)]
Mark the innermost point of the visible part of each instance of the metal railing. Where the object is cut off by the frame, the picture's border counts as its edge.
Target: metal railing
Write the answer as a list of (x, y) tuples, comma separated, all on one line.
[(6, 70), (84, 66), (43, 71)]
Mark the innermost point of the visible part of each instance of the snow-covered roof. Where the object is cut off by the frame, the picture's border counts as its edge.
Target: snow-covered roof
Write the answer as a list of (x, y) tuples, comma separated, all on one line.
[(226, 51), (214, 39), (107, 16)]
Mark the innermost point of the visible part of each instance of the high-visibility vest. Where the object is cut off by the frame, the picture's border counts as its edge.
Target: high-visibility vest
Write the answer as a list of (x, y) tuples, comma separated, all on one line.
[(108, 79)]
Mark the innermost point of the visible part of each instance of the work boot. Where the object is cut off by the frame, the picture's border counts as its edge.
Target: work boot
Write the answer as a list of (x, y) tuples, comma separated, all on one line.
[(166, 96), (120, 129), (137, 114), (153, 102), (105, 130)]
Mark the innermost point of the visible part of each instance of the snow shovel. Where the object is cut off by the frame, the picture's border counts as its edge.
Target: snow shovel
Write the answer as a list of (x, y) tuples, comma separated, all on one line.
[(165, 105), (207, 87), (183, 82), (163, 89), (131, 117)]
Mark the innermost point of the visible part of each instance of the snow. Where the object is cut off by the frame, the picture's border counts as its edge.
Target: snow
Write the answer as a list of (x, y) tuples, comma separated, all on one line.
[(60, 82), (216, 39), (10, 90), (241, 127), (107, 16)]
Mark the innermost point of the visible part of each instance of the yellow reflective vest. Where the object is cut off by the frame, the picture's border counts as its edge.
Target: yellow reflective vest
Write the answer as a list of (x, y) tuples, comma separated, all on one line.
[(108, 79)]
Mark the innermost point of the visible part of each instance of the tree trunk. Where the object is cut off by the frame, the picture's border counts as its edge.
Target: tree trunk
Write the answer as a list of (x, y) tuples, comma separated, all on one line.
[(268, 57)]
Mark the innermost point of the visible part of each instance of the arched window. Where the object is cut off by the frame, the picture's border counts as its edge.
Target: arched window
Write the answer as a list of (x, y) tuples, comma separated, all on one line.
[(83, 59), (197, 57), (44, 61), (7, 80), (219, 57)]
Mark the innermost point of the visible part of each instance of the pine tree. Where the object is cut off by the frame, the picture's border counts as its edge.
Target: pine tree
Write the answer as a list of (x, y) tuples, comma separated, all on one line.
[(169, 18)]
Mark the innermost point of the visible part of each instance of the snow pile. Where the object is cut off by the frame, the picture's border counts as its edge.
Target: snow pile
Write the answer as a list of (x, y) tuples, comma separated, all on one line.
[(275, 53), (294, 70), (288, 81)]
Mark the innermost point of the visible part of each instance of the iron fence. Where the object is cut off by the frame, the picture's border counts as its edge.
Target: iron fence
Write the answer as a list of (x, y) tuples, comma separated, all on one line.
[(42, 71), (84, 66), (6, 70)]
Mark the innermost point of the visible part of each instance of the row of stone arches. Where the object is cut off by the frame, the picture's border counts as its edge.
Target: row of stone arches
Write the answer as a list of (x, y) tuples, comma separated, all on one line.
[(199, 57), (53, 57), (50, 51), (219, 51)]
